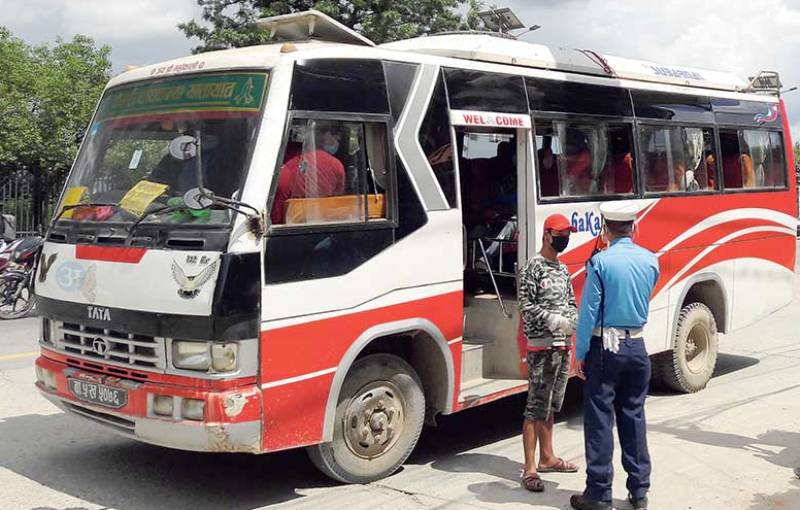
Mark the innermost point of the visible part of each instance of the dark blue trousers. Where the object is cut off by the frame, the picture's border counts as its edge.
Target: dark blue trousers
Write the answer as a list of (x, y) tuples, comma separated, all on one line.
[(616, 387)]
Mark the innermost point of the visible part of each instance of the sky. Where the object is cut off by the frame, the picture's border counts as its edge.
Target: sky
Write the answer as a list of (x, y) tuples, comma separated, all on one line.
[(741, 36)]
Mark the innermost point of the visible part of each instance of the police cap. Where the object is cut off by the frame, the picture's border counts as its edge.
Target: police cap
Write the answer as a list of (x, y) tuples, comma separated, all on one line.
[(622, 212)]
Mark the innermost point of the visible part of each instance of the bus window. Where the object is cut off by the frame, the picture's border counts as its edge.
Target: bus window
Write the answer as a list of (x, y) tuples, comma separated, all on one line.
[(765, 151), (434, 138), (677, 159), (333, 172), (775, 169), (731, 159), (584, 160)]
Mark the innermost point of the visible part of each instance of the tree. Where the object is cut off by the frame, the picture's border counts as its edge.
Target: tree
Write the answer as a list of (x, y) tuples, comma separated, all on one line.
[(232, 22), (47, 95)]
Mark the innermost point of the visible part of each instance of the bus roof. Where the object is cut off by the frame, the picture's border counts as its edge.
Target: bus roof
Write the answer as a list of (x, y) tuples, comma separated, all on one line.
[(505, 50), (313, 34)]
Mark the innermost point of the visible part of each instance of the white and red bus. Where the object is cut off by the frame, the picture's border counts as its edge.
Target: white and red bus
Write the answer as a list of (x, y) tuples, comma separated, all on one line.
[(315, 244)]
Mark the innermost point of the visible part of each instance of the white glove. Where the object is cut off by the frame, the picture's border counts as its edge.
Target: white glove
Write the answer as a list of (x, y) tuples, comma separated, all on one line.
[(557, 323), (611, 341)]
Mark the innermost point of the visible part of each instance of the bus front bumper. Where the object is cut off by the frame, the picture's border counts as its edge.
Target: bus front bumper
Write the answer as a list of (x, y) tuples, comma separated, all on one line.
[(230, 420)]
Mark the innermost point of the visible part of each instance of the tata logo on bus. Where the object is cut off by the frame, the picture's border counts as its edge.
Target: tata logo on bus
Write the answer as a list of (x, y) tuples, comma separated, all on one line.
[(676, 73), (587, 222), (98, 313)]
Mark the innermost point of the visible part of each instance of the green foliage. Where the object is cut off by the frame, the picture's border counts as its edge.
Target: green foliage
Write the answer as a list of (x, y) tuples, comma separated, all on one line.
[(47, 95), (231, 23)]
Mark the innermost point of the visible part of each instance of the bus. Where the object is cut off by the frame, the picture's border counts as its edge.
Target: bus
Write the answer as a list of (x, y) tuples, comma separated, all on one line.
[(315, 242)]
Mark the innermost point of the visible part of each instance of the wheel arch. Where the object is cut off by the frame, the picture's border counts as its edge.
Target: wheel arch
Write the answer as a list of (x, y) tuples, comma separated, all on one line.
[(426, 339), (710, 290)]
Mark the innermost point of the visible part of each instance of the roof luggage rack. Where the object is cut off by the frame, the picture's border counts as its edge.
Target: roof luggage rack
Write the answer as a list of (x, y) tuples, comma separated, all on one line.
[(765, 82), (311, 25)]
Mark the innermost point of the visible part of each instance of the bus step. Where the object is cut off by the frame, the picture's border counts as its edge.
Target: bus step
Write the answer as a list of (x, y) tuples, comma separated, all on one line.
[(472, 361), (480, 388)]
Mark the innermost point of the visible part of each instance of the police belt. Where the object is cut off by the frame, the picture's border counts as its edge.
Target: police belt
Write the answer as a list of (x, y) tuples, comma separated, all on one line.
[(620, 332)]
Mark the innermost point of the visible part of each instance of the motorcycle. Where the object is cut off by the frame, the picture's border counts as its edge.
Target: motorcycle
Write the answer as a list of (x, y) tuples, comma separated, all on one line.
[(17, 269)]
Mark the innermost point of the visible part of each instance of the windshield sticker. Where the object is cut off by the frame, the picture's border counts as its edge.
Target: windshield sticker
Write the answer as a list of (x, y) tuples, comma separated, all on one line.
[(239, 92), (73, 196), (141, 195), (135, 159)]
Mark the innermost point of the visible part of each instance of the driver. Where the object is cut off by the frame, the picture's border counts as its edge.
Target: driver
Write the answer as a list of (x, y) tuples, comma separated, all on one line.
[(181, 175)]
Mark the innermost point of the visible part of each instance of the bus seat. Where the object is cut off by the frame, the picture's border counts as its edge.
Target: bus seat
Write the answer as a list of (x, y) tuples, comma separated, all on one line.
[(334, 209)]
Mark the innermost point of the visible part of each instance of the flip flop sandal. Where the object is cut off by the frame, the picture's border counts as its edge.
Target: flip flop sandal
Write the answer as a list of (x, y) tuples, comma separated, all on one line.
[(532, 482), (562, 466)]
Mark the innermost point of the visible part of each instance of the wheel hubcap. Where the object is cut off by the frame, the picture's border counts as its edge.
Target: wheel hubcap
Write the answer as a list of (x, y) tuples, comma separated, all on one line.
[(373, 420), (697, 348)]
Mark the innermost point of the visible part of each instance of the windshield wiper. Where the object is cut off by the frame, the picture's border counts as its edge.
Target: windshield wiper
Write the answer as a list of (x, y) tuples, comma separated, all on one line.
[(160, 210), (76, 206)]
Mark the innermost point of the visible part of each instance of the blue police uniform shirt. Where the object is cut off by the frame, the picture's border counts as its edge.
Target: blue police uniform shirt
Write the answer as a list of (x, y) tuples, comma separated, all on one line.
[(629, 274)]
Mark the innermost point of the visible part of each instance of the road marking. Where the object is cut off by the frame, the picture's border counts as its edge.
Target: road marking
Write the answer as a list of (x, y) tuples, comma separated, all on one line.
[(19, 355)]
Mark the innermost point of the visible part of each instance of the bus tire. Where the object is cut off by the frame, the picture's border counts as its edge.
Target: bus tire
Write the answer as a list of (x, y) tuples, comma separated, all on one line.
[(690, 364), (379, 418)]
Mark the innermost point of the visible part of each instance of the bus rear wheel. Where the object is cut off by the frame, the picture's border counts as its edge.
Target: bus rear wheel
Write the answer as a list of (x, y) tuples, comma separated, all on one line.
[(379, 417), (690, 364)]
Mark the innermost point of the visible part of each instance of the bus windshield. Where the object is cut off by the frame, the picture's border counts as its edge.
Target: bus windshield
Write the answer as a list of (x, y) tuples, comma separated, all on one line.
[(140, 154)]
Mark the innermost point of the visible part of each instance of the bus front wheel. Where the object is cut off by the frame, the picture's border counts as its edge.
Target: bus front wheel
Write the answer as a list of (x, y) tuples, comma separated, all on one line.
[(690, 364), (379, 417)]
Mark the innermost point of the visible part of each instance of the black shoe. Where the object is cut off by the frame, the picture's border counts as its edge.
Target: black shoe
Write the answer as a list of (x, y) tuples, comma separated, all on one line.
[(579, 502), (638, 503)]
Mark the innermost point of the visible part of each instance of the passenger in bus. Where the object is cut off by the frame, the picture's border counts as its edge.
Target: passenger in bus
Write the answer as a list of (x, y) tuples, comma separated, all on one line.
[(313, 173), (503, 189), (748, 171), (737, 165), (711, 169), (618, 174), (547, 169), (578, 163), (549, 314)]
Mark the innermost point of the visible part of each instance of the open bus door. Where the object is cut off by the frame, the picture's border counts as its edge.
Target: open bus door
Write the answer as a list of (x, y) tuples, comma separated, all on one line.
[(493, 169)]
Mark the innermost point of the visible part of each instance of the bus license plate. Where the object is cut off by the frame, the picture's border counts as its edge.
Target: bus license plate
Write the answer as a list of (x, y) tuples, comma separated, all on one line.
[(99, 394)]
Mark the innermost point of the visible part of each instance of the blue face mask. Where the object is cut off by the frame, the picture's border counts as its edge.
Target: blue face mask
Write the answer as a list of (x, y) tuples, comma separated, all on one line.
[(331, 148)]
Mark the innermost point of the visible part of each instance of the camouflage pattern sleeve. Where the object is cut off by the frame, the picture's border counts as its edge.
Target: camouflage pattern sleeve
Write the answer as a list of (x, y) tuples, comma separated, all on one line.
[(529, 304)]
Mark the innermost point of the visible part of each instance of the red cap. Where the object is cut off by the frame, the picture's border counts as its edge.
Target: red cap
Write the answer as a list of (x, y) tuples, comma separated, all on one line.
[(558, 222)]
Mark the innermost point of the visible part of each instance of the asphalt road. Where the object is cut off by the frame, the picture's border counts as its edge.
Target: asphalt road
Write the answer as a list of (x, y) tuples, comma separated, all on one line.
[(732, 446)]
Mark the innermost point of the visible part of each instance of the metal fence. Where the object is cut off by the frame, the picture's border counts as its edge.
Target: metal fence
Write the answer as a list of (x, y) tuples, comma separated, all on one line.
[(30, 198)]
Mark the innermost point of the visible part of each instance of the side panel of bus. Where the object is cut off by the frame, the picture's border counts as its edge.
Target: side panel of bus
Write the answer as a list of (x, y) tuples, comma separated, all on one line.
[(719, 235)]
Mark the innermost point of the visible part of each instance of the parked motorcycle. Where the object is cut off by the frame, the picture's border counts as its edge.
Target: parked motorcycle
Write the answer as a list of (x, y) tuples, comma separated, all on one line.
[(17, 268)]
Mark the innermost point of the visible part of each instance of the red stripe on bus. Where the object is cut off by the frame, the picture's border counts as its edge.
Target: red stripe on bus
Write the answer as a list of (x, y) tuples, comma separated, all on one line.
[(110, 253)]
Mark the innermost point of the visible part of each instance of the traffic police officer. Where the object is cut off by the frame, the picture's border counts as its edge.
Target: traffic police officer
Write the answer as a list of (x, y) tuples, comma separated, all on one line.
[(613, 360)]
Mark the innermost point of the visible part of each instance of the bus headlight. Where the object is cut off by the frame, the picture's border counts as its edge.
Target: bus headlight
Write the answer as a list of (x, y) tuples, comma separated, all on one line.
[(223, 357), (191, 355), (202, 356)]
